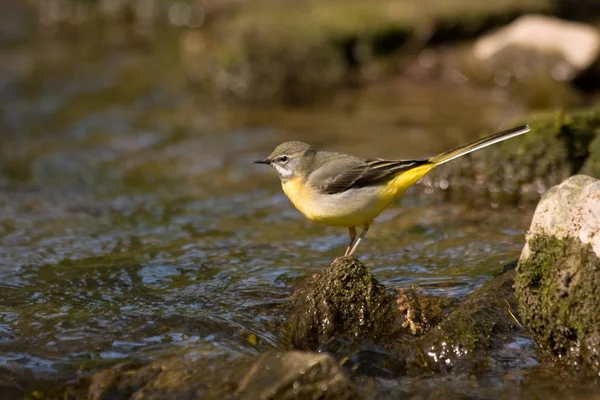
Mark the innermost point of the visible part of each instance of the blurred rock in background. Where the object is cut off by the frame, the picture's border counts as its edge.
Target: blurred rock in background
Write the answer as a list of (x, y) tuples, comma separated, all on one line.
[(274, 51), (536, 44)]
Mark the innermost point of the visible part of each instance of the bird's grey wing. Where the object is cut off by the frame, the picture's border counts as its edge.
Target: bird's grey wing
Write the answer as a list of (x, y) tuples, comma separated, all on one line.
[(339, 175)]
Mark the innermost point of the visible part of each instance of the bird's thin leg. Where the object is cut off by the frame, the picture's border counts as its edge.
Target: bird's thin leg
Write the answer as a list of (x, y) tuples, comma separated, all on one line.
[(352, 233), (357, 242)]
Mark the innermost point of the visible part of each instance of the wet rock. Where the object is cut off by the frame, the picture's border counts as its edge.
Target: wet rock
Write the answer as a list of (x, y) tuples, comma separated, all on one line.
[(185, 375), (464, 341), (273, 375), (295, 375), (464, 336), (344, 300), (535, 44), (345, 312), (558, 279), (363, 358), (558, 146)]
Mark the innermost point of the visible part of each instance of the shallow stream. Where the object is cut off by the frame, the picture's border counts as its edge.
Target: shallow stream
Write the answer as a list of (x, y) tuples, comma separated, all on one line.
[(132, 221)]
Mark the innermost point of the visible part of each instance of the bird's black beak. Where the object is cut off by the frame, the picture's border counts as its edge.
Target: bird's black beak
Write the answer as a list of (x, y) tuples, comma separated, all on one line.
[(265, 161)]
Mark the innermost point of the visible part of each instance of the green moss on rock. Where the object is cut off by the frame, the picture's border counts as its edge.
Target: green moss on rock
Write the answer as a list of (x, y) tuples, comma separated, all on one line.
[(344, 300), (558, 146), (484, 321), (558, 286)]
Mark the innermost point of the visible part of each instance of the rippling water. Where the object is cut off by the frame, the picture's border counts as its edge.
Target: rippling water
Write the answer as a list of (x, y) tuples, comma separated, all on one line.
[(132, 222)]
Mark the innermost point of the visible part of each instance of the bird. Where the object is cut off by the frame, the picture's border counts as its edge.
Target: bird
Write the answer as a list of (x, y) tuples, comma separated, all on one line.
[(343, 190)]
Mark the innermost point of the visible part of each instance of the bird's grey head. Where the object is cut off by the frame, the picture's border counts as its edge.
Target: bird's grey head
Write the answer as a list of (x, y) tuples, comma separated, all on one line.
[(288, 159)]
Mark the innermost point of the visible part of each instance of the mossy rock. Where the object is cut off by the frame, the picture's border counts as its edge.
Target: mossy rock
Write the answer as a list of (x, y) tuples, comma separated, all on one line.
[(344, 300), (559, 145), (483, 322), (346, 312), (558, 280), (559, 291), (462, 338)]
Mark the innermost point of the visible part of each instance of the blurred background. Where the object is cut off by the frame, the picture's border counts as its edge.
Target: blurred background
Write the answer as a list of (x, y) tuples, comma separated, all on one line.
[(131, 219)]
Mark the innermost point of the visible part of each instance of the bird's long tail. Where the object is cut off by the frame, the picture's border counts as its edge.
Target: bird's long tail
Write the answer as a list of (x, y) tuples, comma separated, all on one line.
[(479, 144)]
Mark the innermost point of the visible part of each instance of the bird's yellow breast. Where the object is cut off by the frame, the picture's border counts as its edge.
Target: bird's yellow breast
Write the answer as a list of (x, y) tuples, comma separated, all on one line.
[(295, 190), (353, 207)]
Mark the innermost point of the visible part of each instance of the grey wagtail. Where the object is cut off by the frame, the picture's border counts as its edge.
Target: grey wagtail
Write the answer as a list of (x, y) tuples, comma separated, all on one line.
[(343, 190)]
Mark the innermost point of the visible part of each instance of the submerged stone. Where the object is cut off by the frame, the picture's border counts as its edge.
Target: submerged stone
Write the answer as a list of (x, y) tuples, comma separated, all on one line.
[(295, 375), (272, 375), (558, 279), (483, 322)]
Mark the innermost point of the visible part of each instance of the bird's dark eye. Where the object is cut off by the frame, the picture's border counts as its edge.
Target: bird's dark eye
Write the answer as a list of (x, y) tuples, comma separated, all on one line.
[(283, 159)]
